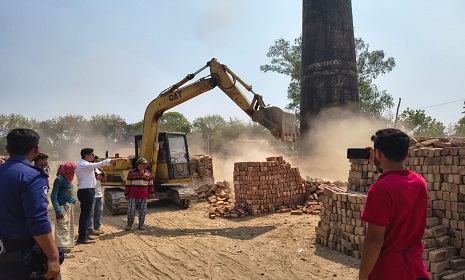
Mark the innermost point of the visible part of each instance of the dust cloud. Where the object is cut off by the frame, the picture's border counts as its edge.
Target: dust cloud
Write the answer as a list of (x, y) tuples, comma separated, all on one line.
[(93, 139), (241, 150), (323, 152), (218, 16)]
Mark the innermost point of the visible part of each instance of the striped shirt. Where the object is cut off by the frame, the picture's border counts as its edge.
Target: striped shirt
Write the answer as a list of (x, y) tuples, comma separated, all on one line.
[(139, 184)]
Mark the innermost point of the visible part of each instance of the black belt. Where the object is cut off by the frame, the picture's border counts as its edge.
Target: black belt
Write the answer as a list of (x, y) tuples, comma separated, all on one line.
[(10, 257), (11, 245)]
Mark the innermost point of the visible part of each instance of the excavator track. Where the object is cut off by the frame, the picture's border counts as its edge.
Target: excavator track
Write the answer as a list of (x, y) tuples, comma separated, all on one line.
[(180, 195), (114, 198)]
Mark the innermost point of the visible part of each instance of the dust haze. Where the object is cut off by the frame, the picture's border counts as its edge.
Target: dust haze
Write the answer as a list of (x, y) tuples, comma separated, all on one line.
[(322, 153), (218, 17), (324, 150), (95, 140)]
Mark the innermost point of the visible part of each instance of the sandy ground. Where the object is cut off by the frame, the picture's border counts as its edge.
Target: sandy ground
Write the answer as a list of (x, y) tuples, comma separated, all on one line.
[(186, 244)]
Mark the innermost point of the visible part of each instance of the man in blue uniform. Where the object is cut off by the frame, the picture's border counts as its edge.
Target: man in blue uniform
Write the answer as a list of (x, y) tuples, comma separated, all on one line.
[(23, 212)]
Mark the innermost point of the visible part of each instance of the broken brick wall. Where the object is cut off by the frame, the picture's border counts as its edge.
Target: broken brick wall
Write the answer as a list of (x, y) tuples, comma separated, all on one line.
[(202, 169)]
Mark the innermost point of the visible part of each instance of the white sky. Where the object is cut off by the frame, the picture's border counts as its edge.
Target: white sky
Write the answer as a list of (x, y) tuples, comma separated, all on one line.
[(97, 57)]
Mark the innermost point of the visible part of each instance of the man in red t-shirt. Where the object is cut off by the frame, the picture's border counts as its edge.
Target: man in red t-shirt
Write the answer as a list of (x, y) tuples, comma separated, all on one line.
[(395, 212)]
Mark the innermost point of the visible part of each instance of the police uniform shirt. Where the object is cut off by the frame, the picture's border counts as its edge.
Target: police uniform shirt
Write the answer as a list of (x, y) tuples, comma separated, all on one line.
[(23, 200)]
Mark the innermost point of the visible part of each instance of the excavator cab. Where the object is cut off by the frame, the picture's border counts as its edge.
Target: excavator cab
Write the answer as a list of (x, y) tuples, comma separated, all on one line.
[(173, 163)]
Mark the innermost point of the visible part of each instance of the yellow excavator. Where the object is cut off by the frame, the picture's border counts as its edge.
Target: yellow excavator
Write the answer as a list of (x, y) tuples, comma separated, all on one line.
[(167, 152)]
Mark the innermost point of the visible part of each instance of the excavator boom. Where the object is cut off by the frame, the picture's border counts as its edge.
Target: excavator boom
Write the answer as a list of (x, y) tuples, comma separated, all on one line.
[(281, 123)]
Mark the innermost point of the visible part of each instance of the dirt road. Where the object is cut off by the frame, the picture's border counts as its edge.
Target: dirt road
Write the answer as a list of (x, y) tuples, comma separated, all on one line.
[(186, 244)]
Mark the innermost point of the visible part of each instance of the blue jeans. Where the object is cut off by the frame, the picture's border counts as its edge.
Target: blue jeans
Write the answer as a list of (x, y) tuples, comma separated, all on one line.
[(96, 214)]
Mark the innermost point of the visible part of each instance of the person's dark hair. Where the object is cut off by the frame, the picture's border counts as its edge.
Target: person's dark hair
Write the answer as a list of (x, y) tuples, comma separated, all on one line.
[(392, 142), (40, 156), (21, 141), (86, 151)]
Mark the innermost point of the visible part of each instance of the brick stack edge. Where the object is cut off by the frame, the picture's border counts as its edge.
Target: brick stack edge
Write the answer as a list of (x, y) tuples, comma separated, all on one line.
[(442, 164), (263, 187), (202, 168)]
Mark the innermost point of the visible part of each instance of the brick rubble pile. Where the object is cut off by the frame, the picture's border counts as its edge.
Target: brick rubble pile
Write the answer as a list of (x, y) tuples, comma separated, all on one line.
[(219, 197)]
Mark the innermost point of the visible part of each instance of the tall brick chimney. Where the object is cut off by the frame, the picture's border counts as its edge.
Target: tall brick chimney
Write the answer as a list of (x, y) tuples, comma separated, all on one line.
[(329, 71)]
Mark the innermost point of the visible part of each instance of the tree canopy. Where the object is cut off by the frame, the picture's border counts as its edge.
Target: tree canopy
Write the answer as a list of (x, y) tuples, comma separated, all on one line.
[(174, 121), (286, 59), (417, 123), (64, 132), (68, 134)]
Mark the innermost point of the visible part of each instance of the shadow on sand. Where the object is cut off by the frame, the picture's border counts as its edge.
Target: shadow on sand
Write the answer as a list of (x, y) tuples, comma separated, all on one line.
[(336, 256), (160, 206)]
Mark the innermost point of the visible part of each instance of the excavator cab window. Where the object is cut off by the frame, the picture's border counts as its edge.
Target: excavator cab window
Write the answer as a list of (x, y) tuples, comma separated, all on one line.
[(177, 155), (161, 152)]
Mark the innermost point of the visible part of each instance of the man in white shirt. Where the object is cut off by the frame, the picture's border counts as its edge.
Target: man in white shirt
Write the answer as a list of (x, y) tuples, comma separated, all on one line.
[(94, 223), (86, 189)]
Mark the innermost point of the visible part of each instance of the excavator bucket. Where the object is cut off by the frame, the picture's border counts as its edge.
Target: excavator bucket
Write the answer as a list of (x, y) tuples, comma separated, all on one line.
[(280, 122)]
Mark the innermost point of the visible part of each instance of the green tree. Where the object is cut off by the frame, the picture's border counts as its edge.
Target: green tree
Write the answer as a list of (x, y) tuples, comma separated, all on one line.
[(209, 128), (460, 126), (371, 64), (136, 128), (64, 133), (208, 125), (418, 124), (233, 129), (113, 128), (174, 121), (286, 59), (10, 122)]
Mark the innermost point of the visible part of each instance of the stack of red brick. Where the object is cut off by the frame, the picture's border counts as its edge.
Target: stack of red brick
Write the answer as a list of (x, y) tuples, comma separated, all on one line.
[(202, 168), (263, 187), (361, 175), (340, 227)]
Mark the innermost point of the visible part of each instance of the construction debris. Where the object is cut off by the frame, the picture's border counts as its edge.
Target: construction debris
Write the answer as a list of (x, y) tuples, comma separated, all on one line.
[(271, 186), (202, 169), (219, 197)]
